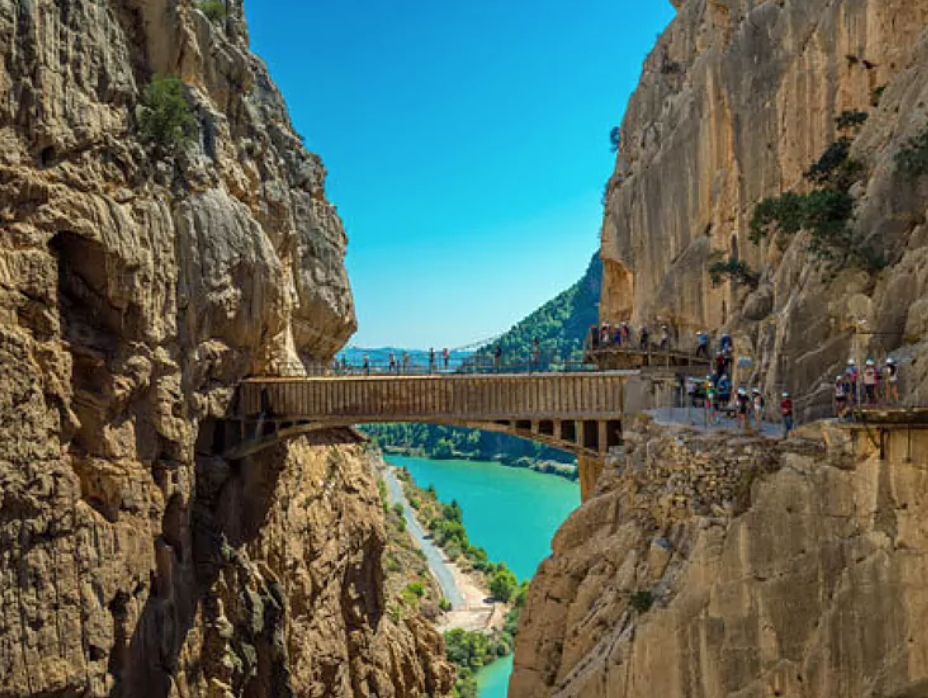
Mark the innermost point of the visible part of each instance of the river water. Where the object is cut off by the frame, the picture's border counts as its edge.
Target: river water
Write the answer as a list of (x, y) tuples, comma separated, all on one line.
[(511, 512)]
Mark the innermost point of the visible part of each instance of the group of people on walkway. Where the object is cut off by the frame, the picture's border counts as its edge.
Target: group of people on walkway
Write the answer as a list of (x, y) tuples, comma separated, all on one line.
[(396, 365), (867, 387), (606, 336), (748, 406)]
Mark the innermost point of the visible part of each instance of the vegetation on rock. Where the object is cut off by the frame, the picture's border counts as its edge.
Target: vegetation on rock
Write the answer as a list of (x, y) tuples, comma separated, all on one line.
[(215, 10), (912, 161), (165, 115), (825, 211), (731, 268)]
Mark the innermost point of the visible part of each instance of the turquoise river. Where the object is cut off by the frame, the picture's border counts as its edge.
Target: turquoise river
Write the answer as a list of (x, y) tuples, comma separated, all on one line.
[(511, 512)]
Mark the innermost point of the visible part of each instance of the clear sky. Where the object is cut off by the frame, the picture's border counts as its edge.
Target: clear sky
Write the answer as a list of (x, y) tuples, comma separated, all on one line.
[(467, 145)]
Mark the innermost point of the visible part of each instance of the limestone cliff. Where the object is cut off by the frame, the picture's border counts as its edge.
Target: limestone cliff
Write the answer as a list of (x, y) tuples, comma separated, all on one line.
[(136, 288), (736, 101), (721, 568)]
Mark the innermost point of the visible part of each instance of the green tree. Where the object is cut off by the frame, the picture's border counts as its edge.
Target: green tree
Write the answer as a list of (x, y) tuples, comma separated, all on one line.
[(165, 115), (503, 584), (215, 10)]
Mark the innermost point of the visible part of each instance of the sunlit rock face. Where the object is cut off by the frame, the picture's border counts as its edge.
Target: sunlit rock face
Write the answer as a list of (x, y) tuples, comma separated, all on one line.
[(710, 566), (735, 102), (136, 290), (713, 566)]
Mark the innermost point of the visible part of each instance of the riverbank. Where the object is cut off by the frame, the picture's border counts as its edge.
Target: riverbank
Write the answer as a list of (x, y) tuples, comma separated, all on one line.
[(472, 608), (545, 467)]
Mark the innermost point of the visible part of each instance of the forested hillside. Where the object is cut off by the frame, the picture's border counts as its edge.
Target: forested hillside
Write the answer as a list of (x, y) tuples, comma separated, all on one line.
[(560, 325)]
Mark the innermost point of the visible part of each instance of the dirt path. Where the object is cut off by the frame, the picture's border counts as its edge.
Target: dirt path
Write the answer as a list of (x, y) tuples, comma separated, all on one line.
[(471, 608)]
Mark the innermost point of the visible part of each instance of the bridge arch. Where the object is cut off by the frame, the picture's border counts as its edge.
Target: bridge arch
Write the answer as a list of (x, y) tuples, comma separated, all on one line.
[(580, 412)]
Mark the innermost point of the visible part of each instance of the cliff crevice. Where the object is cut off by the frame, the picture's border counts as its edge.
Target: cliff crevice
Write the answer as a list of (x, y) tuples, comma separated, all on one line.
[(138, 285)]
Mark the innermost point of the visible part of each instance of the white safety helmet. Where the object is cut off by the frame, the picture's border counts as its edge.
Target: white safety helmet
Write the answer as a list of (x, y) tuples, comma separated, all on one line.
[(839, 379), (851, 362), (755, 390), (742, 391), (785, 394), (869, 362), (890, 360)]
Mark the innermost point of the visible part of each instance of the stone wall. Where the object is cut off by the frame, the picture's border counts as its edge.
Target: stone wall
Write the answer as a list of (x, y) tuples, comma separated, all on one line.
[(736, 101), (712, 566), (136, 289)]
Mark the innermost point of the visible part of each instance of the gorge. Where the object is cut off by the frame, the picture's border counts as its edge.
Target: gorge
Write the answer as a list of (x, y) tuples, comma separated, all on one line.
[(166, 236)]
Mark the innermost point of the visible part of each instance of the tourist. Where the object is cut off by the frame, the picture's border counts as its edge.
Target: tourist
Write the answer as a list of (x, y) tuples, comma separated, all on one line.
[(665, 338), (536, 354), (405, 362), (758, 409), (446, 356), (712, 397), (431, 359), (870, 381), (720, 364), (851, 380), (498, 356), (743, 404), (891, 381), (841, 390), (393, 364), (366, 366), (604, 335), (702, 344), (786, 411), (645, 342), (594, 337), (724, 385), (626, 333), (726, 346)]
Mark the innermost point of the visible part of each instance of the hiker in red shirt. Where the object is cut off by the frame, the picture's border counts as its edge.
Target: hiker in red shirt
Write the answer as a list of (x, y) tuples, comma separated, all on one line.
[(786, 410)]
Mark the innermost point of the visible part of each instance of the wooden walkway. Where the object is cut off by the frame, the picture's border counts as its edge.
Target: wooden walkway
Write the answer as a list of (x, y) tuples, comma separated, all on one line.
[(579, 412)]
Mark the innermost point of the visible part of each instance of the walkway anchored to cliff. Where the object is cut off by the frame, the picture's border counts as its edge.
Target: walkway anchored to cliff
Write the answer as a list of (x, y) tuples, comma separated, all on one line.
[(579, 410)]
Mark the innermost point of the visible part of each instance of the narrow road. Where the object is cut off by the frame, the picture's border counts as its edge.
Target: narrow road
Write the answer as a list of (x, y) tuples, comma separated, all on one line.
[(434, 557)]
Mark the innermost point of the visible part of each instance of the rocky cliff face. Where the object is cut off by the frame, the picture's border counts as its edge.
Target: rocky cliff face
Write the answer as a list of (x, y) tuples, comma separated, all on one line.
[(719, 567), (136, 289), (736, 101)]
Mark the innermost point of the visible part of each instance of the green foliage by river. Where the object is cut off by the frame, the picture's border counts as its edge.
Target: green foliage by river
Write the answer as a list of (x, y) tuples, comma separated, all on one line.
[(512, 513), (442, 442)]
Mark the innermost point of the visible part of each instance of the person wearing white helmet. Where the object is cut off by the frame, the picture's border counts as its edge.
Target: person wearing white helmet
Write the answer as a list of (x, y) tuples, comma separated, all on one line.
[(786, 411), (841, 390), (891, 380), (743, 404), (870, 379), (850, 377), (758, 408), (665, 338)]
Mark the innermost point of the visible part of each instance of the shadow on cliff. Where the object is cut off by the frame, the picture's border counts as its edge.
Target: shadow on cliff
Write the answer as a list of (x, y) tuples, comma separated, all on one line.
[(203, 579)]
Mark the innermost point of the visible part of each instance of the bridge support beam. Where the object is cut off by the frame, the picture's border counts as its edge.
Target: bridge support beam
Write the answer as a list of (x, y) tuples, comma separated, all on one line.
[(590, 469)]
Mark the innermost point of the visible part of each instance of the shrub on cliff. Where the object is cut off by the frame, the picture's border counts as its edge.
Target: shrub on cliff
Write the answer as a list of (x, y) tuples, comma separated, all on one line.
[(165, 115), (503, 583), (215, 10), (734, 269), (912, 161)]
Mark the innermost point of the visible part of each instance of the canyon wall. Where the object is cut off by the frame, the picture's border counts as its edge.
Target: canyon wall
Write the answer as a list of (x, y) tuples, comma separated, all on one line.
[(717, 567), (138, 285), (736, 101)]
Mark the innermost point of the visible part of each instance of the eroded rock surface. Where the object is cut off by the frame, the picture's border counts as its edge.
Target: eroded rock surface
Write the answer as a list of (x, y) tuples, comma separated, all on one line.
[(720, 567), (136, 288), (736, 101)]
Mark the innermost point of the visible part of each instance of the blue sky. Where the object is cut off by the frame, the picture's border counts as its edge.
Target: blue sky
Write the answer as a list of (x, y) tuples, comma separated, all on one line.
[(466, 143)]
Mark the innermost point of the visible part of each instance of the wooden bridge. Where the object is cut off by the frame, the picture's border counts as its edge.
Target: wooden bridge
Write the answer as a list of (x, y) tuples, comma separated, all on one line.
[(580, 412)]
